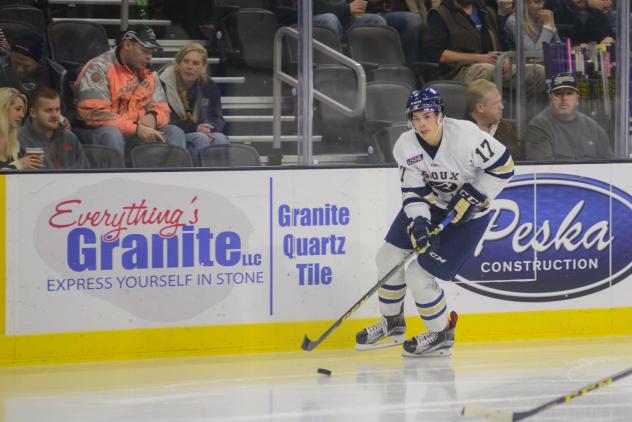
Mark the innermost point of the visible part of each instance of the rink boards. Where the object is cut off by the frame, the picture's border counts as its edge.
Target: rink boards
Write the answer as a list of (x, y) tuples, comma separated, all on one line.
[(128, 265)]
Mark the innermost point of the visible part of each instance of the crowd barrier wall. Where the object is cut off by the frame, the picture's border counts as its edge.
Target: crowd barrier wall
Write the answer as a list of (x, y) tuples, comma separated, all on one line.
[(103, 266)]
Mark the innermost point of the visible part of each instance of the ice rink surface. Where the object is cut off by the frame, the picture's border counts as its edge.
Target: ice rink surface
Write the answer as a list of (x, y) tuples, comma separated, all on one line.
[(364, 386)]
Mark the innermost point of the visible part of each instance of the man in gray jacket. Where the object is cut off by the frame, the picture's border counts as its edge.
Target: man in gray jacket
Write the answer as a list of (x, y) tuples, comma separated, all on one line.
[(561, 132), (44, 129)]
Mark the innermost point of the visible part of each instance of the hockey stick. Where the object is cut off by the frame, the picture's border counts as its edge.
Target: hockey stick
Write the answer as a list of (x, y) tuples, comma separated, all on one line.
[(478, 411), (309, 345)]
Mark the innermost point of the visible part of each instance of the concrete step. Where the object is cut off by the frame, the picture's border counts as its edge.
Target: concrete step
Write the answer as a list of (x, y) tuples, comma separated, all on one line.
[(228, 79), (250, 102), (163, 60), (117, 22), (248, 119), (268, 138)]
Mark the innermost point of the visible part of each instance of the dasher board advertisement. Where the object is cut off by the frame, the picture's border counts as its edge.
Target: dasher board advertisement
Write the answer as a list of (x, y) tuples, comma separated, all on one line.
[(133, 250)]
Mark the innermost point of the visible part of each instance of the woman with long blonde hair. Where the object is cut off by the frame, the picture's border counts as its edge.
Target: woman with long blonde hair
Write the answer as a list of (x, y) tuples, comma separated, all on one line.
[(13, 107), (194, 99), (538, 27)]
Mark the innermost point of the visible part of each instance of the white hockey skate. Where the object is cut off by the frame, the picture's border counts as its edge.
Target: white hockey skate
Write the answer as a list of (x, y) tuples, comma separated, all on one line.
[(432, 343), (387, 332)]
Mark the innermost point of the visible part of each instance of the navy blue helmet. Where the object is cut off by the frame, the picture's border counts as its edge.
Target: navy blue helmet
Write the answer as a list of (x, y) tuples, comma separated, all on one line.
[(426, 100)]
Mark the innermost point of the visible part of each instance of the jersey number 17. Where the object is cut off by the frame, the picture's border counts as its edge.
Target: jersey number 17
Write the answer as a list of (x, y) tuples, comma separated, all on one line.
[(485, 151)]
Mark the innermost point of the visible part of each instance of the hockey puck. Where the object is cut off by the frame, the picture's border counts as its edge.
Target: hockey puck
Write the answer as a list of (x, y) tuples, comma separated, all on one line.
[(324, 371)]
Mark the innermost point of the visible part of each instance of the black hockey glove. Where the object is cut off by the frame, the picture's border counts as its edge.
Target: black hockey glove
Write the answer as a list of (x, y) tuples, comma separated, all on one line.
[(465, 201), (419, 233)]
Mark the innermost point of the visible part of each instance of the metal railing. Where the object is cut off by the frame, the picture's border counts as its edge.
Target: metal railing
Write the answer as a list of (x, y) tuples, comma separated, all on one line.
[(280, 76)]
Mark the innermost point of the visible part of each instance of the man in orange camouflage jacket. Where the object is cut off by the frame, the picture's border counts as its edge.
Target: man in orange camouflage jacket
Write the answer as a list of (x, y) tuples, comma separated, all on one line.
[(121, 99)]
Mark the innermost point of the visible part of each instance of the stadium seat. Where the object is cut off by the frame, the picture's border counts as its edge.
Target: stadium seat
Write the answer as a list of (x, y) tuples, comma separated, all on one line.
[(63, 36), (229, 155), (453, 93), (103, 157), (319, 33), (386, 101), (379, 51), (386, 137), (328, 37), (251, 48), (385, 114), (14, 29), (28, 14), (160, 156), (340, 133)]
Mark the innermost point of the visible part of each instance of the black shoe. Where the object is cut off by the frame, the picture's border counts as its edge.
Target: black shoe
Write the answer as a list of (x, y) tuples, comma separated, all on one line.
[(388, 331), (432, 343)]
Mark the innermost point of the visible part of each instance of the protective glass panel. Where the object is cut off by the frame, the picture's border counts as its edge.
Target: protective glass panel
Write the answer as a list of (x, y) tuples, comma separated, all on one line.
[(366, 63), (579, 114)]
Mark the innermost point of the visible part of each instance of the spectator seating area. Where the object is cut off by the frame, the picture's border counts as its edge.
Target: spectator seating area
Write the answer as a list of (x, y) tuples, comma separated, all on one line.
[(241, 62)]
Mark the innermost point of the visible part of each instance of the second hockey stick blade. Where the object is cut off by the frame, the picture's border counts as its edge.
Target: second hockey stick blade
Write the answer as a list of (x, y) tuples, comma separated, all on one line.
[(479, 411)]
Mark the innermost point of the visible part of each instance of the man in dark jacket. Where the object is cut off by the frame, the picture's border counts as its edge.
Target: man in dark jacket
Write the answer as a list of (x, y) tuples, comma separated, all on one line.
[(583, 24), (462, 38), (484, 106), (26, 69)]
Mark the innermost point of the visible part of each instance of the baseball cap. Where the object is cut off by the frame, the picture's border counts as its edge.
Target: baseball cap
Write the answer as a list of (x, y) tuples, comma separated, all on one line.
[(143, 35), (563, 80), (30, 44)]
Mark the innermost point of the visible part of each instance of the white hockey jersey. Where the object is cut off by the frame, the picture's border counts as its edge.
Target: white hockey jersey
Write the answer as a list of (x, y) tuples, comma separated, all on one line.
[(466, 154)]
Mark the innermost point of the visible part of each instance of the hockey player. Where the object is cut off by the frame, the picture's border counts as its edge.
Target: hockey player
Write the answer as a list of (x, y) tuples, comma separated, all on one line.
[(444, 164)]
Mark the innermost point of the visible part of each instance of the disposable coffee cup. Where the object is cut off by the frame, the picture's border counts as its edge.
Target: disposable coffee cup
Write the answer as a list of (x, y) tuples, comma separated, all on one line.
[(35, 151)]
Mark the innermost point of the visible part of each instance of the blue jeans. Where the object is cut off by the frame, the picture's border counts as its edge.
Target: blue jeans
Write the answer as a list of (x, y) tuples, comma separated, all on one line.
[(408, 26), (197, 141), (112, 137), (330, 20)]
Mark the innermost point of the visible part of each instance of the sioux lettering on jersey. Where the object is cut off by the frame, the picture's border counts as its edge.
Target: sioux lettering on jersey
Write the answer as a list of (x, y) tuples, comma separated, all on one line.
[(440, 175), (442, 181)]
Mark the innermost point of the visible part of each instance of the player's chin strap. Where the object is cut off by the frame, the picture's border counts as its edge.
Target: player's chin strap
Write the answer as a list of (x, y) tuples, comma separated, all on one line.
[(436, 134)]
